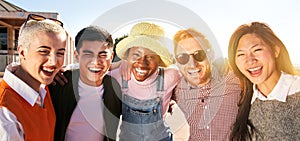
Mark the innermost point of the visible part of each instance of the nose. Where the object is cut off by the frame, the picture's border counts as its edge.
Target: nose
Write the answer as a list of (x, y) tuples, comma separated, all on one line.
[(250, 58), (52, 59), (192, 62), (96, 60), (143, 60)]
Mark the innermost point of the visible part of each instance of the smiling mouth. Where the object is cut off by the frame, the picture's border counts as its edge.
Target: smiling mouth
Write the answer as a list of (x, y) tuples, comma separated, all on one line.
[(141, 72), (95, 70), (194, 71), (255, 70), (48, 70)]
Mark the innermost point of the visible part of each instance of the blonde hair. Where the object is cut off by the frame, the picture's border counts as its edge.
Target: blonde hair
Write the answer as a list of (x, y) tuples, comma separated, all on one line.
[(191, 33), (30, 28)]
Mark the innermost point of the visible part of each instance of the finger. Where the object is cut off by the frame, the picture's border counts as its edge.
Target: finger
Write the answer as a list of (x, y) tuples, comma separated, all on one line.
[(63, 78), (59, 80)]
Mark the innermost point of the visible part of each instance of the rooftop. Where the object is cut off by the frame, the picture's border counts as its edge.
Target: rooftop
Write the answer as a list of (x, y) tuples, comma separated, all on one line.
[(8, 7)]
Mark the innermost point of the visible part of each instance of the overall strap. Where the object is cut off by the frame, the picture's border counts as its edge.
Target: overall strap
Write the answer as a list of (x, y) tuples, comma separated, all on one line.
[(124, 84), (160, 80)]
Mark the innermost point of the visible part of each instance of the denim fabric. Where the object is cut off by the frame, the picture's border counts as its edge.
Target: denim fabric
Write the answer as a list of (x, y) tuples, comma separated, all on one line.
[(142, 120)]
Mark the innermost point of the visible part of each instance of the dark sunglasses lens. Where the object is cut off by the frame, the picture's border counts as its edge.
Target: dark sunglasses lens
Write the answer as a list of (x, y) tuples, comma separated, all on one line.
[(40, 18), (182, 58), (199, 55), (36, 17)]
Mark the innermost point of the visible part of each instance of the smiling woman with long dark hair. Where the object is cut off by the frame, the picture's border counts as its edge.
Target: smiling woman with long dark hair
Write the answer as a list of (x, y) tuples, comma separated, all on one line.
[(269, 105)]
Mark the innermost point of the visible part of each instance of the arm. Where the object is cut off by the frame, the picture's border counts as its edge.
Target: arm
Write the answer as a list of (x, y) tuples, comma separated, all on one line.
[(10, 128), (124, 68)]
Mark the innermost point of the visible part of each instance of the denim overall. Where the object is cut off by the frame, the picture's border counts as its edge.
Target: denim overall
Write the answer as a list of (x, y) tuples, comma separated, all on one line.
[(142, 119)]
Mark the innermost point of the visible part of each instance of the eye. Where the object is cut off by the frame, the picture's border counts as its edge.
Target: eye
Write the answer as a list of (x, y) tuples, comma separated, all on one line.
[(135, 55), (61, 53), (88, 55), (102, 55), (258, 49), (240, 54), (44, 52)]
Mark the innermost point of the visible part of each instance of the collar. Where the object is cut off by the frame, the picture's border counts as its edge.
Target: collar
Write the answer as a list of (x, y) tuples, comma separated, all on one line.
[(287, 85), (25, 91)]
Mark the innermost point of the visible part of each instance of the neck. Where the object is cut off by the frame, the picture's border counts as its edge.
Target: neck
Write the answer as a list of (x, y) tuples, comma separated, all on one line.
[(267, 86), (27, 78)]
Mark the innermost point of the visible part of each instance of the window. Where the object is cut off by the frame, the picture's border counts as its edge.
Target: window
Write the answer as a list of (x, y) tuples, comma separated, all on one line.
[(3, 38)]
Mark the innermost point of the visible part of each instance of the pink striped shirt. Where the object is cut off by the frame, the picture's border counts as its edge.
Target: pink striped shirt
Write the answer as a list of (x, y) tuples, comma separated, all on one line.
[(210, 110)]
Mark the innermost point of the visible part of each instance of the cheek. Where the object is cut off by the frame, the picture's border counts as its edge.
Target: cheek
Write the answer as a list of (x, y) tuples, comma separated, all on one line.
[(239, 64), (60, 61)]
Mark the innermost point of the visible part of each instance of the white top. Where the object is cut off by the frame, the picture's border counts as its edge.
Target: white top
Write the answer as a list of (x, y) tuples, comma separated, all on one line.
[(87, 122), (286, 85), (10, 127)]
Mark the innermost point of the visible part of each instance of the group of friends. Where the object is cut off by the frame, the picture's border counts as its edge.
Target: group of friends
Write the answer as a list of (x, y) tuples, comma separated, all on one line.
[(254, 95)]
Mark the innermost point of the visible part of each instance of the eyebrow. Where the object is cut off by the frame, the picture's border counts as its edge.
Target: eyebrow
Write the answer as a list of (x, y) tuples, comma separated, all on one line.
[(88, 51), (46, 47), (250, 48), (101, 52)]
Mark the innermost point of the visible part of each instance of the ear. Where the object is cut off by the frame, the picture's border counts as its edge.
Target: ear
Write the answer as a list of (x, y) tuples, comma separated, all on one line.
[(112, 55), (210, 54), (277, 51), (22, 51), (76, 54)]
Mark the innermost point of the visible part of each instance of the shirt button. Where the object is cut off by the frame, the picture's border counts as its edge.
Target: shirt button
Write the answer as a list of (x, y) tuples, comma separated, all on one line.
[(157, 99)]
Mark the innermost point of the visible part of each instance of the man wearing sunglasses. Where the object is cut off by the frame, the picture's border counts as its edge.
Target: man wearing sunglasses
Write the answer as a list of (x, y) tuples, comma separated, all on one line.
[(26, 111), (207, 94)]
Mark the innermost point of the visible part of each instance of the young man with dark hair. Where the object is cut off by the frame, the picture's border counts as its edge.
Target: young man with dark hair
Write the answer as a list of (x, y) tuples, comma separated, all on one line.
[(89, 105)]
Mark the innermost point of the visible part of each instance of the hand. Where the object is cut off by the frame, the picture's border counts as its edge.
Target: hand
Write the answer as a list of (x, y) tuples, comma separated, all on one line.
[(60, 78), (125, 70), (172, 106)]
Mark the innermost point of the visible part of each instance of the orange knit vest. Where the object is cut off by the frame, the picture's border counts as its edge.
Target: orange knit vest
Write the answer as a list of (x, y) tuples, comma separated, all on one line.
[(38, 123)]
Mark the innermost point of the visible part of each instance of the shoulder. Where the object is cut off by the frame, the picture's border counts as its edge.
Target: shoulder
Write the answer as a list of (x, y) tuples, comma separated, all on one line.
[(111, 85), (172, 71), (294, 81)]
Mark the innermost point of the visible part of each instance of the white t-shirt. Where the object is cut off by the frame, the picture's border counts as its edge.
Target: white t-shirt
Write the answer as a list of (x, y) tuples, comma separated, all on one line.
[(87, 122)]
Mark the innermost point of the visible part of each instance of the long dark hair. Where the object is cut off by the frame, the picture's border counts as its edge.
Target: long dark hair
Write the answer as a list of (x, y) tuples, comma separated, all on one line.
[(243, 129)]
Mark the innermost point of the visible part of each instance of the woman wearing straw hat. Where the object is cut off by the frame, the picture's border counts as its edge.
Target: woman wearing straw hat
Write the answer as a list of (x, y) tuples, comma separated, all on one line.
[(147, 94)]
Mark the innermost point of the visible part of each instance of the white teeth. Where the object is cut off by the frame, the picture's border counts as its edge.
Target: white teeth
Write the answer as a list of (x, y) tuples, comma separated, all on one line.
[(140, 71), (48, 69), (254, 69), (193, 71), (94, 69)]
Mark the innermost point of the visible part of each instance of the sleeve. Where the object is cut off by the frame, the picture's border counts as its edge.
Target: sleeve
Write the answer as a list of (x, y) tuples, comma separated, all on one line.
[(10, 128)]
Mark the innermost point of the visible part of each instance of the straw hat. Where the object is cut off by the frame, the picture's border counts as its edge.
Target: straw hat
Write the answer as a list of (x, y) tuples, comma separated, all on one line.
[(146, 35)]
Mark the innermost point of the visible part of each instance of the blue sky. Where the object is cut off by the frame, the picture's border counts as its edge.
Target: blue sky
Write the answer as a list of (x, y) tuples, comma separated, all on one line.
[(222, 17)]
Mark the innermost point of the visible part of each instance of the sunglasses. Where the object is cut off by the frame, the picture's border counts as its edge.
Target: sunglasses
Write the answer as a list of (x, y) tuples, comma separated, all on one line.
[(41, 18), (184, 58)]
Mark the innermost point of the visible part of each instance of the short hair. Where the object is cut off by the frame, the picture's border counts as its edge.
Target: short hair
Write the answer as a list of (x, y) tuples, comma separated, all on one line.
[(32, 27), (93, 33), (191, 33)]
